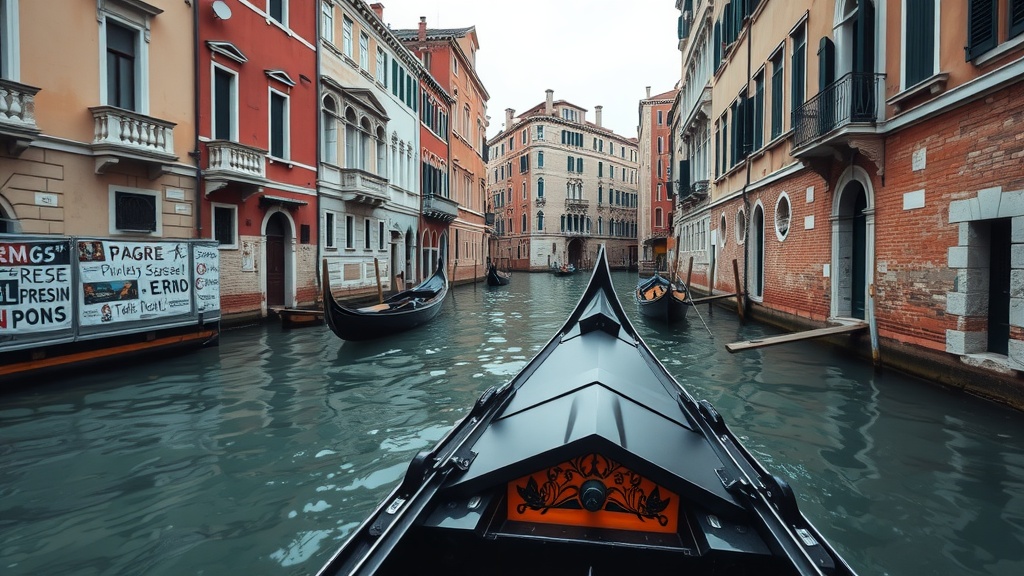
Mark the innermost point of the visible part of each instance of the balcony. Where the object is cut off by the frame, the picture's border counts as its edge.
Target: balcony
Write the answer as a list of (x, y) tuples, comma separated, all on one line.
[(233, 163), (540, 202), (17, 115), (356, 185), (120, 134), (440, 208), (847, 107), (576, 205)]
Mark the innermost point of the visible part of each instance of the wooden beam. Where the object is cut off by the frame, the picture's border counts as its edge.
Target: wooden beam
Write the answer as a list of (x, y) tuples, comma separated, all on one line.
[(796, 337), (712, 298)]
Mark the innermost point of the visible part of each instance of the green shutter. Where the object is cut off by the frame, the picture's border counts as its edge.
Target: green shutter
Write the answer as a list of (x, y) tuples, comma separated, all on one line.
[(1016, 17), (981, 27), (920, 41)]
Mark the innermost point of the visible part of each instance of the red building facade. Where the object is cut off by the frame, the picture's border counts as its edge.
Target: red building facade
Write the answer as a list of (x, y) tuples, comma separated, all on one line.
[(256, 107)]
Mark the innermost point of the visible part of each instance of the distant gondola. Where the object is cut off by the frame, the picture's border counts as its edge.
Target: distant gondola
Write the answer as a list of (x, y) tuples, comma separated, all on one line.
[(592, 460), (563, 270), (656, 297), (402, 311), (496, 277)]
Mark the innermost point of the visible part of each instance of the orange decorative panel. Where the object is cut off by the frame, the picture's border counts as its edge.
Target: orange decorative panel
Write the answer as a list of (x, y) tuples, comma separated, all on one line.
[(593, 491)]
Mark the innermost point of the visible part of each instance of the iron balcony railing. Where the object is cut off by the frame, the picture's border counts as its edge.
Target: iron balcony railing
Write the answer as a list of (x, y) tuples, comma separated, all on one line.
[(851, 99), (699, 188)]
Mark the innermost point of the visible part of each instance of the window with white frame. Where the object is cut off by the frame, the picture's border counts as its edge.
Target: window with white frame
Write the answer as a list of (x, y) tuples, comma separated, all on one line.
[(122, 64), (278, 10), (10, 60), (135, 211), (367, 231), (225, 104), (382, 67), (540, 132), (380, 235), (920, 39), (346, 36), (330, 229), (224, 221), (279, 125), (327, 21), (329, 149), (783, 214), (350, 232), (364, 51)]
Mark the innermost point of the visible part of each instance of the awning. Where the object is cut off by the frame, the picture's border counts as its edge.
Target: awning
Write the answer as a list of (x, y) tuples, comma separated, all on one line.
[(268, 200)]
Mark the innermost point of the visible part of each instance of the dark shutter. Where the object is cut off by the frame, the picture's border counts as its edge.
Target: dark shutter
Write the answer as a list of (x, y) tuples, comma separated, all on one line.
[(981, 27), (864, 37), (758, 111), (826, 63), (1016, 17), (920, 41), (718, 45), (684, 178)]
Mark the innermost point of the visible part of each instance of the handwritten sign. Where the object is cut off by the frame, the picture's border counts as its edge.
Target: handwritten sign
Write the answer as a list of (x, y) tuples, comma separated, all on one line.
[(126, 281), (35, 287), (206, 260)]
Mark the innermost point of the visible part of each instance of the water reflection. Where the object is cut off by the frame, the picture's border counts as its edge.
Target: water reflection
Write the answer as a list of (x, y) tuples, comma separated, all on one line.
[(262, 455)]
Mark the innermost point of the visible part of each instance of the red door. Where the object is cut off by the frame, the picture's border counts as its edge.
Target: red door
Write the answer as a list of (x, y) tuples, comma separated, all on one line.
[(276, 230)]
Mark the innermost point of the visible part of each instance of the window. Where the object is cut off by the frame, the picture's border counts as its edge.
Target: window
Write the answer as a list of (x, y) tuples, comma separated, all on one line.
[(382, 67), (329, 230), (276, 9), (741, 227), (524, 163), (540, 159), (225, 225), (540, 132), (134, 210), (759, 110), (661, 144), (657, 217), (722, 230), (799, 72), (782, 217), (346, 37), (327, 21), (525, 195), (919, 35), (540, 187), (661, 117), (522, 224), (364, 51), (225, 104), (10, 60), (525, 136), (367, 232), (540, 221), (278, 124), (380, 235), (777, 87), (329, 150), (350, 232), (121, 69)]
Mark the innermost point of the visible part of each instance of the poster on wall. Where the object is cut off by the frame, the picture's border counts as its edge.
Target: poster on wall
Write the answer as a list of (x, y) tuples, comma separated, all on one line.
[(129, 281), (206, 261), (35, 287)]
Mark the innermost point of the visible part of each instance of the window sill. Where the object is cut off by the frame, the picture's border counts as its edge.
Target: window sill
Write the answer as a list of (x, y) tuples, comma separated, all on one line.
[(999, 51), (276, 160), (227, 246), (930, 86)]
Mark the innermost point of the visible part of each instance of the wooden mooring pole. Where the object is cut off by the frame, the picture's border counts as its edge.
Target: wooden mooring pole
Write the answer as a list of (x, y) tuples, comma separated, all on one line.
[(739, 293), (376, 271)]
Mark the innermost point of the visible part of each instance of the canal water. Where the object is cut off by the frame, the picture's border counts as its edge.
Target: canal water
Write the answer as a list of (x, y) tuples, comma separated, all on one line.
[(261, 455)]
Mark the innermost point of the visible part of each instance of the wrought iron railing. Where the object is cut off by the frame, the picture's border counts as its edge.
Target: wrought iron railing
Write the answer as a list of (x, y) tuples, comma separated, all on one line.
[(851, 99), (699, 188)]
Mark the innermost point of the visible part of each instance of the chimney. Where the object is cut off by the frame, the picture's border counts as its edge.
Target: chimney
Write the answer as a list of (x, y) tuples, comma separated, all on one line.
[(648, 92), (597, 115), (422, 36), (509, 114), (378, 9), (549, 107)]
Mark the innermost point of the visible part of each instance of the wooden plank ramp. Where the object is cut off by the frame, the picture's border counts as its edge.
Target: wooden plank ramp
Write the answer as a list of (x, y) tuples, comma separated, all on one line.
[(712, 298), (796, 336)]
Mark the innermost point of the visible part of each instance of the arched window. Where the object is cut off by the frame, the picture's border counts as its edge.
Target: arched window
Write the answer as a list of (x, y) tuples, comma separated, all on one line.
[(540, 220), (563, 222), (540, 187), (382, 153), (540, 159), (364, 144), (657, 217), (522, 225), (600, 225), (351, 139), (330, 122)]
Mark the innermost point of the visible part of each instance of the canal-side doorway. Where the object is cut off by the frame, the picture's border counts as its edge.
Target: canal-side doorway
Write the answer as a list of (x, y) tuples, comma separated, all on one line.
[(278, 232), (852, 244), (575, 252)]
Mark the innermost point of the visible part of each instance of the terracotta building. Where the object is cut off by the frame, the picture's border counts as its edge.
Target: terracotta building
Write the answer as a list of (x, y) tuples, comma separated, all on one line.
[(256, 96), (865, 164), (449, 55), (654, 186), (560, 186), (97, 129)]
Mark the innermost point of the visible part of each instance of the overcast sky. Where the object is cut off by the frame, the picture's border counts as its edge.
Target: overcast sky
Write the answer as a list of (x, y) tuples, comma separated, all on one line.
[(590, 52)]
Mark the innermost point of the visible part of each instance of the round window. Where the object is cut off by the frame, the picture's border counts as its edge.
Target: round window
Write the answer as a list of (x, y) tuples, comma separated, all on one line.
[(782, 216), (722, 230), (741, 226)]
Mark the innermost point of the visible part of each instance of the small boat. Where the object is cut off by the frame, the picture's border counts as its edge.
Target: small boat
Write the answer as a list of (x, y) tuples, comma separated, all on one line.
[(402, 311), (592, 460), (656, 297), (563, 270), (496, 277)]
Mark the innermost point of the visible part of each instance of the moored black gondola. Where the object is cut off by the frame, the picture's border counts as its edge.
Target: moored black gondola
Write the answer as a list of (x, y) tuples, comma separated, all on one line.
[(656, 297), (402, 311), (592, 460)]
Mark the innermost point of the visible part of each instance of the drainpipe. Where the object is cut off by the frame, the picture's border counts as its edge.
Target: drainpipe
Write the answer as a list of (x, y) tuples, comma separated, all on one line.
[(746, 186), (196, 154), (319, 151)]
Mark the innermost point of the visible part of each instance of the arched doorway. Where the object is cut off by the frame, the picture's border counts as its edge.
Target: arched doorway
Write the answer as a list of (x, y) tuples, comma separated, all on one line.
[(852, 244), (574, 252), (278, 235), (756, 247)]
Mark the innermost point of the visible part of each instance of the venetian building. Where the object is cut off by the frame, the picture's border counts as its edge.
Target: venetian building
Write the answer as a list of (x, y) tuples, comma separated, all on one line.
[(654, 207), (449, 55), (561, 186), (98, 128), (866, 168), (369, 183)]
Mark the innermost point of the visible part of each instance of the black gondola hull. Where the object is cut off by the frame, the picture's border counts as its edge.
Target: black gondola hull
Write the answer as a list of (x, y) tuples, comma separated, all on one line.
[(592, 460), (496, 277), (659, 299)]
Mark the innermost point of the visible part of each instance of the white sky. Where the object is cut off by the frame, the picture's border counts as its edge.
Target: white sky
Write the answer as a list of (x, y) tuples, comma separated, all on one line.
[(590, 52)]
